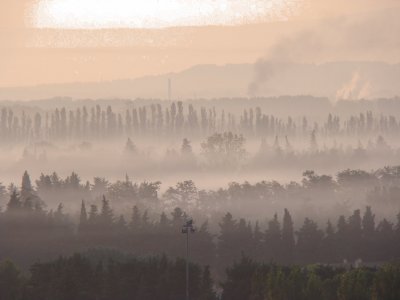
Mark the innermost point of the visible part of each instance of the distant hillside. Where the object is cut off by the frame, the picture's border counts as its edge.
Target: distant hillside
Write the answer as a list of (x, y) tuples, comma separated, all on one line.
[(346, 80)]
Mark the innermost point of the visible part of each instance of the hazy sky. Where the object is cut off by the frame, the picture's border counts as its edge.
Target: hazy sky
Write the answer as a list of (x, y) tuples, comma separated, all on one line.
[(50, 41)]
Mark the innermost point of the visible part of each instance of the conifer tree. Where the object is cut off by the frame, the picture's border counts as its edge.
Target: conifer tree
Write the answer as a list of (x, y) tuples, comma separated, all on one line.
[(83, 219), (135, 220), (14, 204), (93, 216), (309, 242), (106, 214), (273, 239), (287, 237), (368, 222), (26, 187), (227, 246)]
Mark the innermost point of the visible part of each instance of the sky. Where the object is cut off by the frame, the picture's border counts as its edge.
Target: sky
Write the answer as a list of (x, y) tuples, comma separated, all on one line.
[(59, 41)]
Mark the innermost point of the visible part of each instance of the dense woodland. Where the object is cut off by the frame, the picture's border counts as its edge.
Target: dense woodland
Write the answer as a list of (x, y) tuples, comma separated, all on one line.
[(247, 280), (97, 275), (93, 277), (155, 229), (348, 190), (258, 239)]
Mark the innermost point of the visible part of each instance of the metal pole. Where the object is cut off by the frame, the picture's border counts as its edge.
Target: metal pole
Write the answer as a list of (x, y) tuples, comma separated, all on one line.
[(187, 229), (187, 264)]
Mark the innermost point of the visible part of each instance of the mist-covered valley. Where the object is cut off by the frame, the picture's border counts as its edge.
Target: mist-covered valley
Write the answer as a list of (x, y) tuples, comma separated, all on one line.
[(252, 158), (250, 139), (204, 150)]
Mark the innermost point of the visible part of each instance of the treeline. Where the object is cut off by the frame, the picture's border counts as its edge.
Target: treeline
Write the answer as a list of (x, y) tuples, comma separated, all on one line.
[(248, 280), (224, 152), (84, 277), (352, 238), (90, 276), (376, 187), (25, 224), (178, 119)]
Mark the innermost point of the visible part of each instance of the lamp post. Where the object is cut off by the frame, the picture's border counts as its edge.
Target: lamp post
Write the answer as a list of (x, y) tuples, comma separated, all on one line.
[(187, 228)]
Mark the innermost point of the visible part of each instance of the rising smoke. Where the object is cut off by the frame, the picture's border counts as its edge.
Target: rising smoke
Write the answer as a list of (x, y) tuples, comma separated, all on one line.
[(369, 37)]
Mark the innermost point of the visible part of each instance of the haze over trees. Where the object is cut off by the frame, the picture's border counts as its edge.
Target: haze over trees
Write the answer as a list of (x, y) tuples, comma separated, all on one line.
[(251, 148), (137, 218), (227, 139), (300, 205), (285, 202)]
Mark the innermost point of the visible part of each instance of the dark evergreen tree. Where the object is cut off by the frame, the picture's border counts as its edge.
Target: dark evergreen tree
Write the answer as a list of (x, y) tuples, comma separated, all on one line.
[(287, 237), (83, 219), (136, 221), (106, 217), (309, 242), (14, 205), (227, 245), (273, 240)]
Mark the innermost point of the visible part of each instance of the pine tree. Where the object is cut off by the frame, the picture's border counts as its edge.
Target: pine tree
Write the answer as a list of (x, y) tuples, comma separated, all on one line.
[(257, 242), (385, 237), (135, 220), (26, 186), (287, 237), (368, 222), (309, 242), (83, 218), (28, 197), (145, 220), (273, 240), (368, 234), (106, 214), (328, 244), (59, 215), (227, 247), (15, 203), (93, 216), (342, 238), (355, 234), (121, 224)]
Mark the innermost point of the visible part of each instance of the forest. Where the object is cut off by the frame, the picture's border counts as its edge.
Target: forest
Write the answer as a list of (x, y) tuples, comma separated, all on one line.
[(151, 224), (207, 141), (199, 150), (114, 276), (286, 205)]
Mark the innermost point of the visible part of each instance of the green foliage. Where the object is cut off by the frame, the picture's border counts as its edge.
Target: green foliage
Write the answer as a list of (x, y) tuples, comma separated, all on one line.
[(81, 278), (255, 281), (387, 283), (11, 281)]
